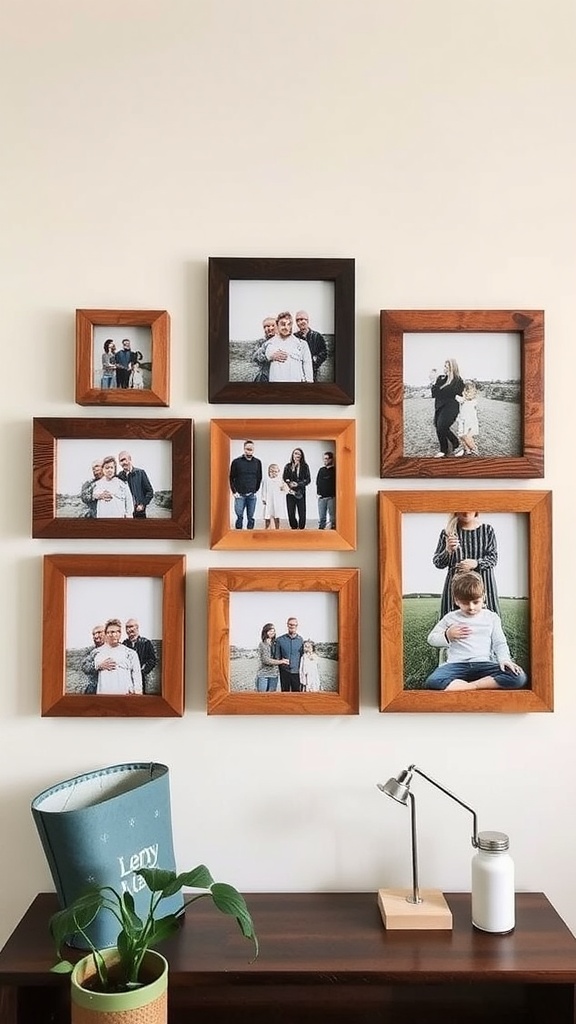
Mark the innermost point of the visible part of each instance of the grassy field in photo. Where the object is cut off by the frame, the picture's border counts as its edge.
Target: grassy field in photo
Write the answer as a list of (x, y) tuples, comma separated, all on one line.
[(499, 423), (420, 615)]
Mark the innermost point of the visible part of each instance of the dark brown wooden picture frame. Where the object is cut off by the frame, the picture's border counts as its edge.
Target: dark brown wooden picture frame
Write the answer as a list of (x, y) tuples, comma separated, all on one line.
[(221, 271), (158, 320), (340, 434), (529, 325), (47, 432), (171, 570), (538, 507), (342, 582)]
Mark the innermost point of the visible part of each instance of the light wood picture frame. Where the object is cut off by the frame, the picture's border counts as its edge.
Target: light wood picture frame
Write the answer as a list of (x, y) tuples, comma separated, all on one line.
[(76, 595), (299, 592), (278, 438), (409, 610)]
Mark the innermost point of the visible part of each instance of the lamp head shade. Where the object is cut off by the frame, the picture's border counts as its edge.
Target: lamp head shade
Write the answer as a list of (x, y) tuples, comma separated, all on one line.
[(399, 787)]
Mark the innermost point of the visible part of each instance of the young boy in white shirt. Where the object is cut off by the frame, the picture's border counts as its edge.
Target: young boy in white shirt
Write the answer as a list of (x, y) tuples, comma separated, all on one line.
[(478, 656)]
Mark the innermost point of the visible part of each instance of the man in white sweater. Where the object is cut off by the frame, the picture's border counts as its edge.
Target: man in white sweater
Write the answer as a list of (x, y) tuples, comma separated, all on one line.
[(478, 655)]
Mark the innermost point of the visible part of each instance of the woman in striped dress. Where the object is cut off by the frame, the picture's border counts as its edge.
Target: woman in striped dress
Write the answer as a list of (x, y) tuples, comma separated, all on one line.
[(467, 543)]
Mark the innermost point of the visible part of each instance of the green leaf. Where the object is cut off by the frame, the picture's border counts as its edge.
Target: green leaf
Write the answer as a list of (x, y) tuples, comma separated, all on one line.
[(62, 967), (131, 921), (230, 901), (156, 879), (77, 917), (198, 878), (162, 929)]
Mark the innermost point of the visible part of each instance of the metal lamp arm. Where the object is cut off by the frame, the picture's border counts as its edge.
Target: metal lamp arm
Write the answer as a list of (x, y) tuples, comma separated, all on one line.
[(418, 771)]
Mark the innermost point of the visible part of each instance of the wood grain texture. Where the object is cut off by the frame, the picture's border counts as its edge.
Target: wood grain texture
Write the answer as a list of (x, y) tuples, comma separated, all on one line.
[(529, 325), (46, 432), (327, 956)]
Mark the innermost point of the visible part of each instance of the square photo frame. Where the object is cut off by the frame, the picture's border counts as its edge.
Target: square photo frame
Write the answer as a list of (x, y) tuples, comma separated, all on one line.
[(496, 427), (255, 356), (267, 515), (509, 536), (122, 357), (69, 493), (92, 604), (324, 605)]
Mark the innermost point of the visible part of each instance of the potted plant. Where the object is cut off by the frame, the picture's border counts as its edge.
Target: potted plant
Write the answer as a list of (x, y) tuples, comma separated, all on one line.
[(131, 975)]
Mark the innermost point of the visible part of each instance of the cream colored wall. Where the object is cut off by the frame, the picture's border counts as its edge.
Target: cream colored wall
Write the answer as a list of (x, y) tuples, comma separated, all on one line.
[(435, 144)]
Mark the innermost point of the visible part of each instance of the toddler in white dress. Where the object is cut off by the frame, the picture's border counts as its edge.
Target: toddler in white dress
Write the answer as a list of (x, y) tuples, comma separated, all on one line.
[(467, 424)]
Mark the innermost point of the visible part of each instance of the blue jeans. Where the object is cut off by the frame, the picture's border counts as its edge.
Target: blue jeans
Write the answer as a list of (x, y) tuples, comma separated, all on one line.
[(245, 503), (266, 684), (326, 509), (472, 670)]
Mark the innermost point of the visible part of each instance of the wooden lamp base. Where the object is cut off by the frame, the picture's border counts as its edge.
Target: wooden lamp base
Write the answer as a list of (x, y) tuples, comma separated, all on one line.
[(398, 914)]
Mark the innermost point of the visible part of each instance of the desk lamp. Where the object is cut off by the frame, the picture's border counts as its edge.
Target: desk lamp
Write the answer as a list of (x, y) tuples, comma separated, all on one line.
[(417, 908)]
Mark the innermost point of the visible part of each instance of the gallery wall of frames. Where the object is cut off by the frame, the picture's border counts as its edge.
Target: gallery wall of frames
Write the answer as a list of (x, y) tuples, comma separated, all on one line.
[(283, 331)]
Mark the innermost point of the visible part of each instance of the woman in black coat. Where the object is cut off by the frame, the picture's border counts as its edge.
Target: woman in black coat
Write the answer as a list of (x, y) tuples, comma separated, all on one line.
[(444, 389), (296, 476)]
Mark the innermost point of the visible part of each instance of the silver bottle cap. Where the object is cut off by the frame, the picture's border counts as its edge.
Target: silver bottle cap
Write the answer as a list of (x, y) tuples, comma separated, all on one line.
[(494, 842)]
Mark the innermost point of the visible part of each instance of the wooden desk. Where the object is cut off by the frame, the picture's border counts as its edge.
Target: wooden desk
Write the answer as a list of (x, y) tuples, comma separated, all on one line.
[(325, 958)]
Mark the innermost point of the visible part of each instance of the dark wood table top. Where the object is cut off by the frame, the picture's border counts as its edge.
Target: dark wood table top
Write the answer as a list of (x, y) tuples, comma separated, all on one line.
[(313, 938)]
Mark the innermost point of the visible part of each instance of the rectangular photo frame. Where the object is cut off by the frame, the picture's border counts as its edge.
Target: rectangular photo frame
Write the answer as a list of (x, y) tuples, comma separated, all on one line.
[(515, 562), (273, 443), (232, 665), (81, 593), (245, 298), (108, 344), (66, 454), (499, 355)]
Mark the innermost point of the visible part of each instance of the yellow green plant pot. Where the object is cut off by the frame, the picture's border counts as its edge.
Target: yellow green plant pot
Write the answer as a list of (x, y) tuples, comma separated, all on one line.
[(145, 1005)]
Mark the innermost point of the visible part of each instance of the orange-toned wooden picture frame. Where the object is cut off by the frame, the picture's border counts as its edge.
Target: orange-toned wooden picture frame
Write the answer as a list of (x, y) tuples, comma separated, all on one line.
[(340, 434), (158, 320), (47, 432), (341, 582), (57, 569), (528, 325), (537, 505)]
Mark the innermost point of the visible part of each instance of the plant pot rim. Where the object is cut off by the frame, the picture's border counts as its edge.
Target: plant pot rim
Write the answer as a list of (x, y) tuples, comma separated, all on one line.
[(110, 1001)]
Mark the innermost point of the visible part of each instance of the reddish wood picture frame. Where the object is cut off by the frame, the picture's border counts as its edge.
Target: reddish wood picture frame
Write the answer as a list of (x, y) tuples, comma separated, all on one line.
[(47, 432), (87, 368), (394, 326), (171, 570)]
